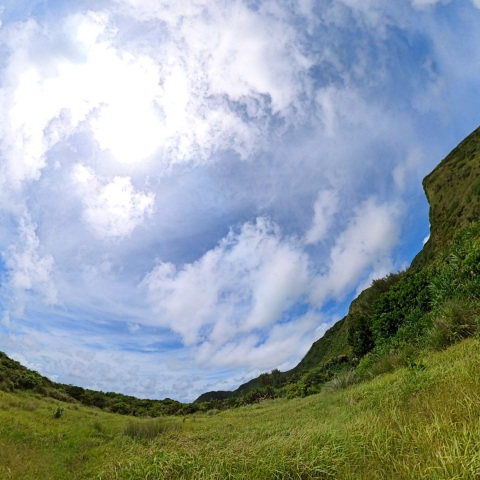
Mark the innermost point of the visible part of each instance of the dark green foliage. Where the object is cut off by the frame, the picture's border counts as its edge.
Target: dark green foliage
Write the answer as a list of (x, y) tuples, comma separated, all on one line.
[(407, 299), (14, 376), (359, 318)]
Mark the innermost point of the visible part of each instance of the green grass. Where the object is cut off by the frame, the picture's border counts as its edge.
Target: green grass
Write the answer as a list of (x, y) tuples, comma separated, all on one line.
[(35, 445), (410, 424)]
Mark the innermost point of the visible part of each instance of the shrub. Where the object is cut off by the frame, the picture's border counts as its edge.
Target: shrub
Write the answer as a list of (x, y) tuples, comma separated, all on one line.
[(459, 273), (360, 335), (390, 310), (342, 380), (58, 412), (456, 319)]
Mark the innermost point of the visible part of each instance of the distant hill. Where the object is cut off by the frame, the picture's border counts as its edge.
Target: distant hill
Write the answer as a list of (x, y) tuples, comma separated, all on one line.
[(15, 377), (453, 193)]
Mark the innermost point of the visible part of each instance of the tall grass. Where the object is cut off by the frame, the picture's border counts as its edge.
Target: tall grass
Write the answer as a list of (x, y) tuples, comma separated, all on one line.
[(413, 423), (150, 428), (418, 422)]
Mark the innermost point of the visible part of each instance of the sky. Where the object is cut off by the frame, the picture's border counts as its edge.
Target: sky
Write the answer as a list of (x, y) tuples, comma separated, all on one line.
[(192, 192)]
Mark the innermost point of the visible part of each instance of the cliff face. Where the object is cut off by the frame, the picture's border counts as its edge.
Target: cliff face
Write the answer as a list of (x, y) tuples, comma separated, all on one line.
[(453, 192)]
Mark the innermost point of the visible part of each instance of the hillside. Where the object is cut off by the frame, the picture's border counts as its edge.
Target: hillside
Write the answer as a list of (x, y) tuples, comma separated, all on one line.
[(453, 193), (14, 377), (418, 422)]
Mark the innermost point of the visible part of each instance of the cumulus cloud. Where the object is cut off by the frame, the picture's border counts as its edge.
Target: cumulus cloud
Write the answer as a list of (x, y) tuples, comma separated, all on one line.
[(365, 243), (28, 269), (285, 342), (325, 208), (224, 74), (112, 209), (242, 287)]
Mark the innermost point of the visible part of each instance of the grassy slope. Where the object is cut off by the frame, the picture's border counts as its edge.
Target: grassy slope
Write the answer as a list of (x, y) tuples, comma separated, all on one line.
[(421, 422), (453, 192)]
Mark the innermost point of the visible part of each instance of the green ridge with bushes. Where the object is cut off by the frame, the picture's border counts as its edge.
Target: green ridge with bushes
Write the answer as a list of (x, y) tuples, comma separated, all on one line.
[(401, 309)]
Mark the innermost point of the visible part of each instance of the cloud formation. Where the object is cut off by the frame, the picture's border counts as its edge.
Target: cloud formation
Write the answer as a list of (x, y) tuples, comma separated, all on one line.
[(196, 191), (244, 285), (112, 209), (29, 270)]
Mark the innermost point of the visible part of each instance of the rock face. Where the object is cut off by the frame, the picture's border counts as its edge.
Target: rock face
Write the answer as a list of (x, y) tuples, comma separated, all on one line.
[(453, 192)]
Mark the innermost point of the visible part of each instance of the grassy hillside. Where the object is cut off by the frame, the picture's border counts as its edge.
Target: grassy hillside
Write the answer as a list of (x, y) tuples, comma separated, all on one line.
[(421, 421), (401, 303), (14, 377), (453, 192)]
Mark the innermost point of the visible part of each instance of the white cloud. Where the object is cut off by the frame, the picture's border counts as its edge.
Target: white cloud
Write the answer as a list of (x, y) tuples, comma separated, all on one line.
[(210, 82), (220, 65), (242, 287), (282, 348), (422, 4), (364, 244), (28, 269), (410, 170), (324, 211), (112, 209)]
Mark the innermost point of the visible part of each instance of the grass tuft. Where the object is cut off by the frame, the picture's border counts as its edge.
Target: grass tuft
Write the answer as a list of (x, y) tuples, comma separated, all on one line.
[(149, 428)]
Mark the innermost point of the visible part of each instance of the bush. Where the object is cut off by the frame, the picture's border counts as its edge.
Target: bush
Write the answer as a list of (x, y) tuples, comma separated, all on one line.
[(342, 380), (390, 310), (458, 275), (455, 320), (58, 412), (360, 335)]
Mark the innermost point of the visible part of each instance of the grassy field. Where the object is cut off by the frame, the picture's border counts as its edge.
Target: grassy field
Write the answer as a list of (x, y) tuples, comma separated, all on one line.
[(418, 422)]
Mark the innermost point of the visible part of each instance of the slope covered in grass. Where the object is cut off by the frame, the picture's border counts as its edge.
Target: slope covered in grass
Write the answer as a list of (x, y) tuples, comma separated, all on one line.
[(422, 421)]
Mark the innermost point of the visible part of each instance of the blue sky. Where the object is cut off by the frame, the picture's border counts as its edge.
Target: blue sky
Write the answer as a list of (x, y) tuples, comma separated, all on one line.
[(192, 192)]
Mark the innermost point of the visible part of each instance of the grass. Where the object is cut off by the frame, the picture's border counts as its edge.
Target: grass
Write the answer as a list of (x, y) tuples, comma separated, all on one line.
[(36, 445), (409, 424)]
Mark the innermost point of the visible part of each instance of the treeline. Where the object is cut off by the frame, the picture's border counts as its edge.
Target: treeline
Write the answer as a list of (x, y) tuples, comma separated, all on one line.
[(15, 377)]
